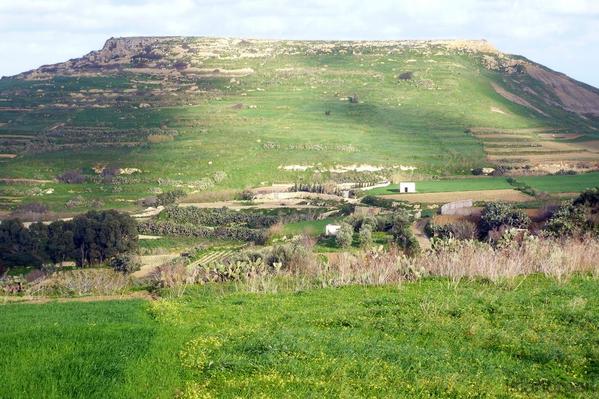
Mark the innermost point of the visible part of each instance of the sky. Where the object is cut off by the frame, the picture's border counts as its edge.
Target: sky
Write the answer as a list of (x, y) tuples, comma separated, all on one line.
[(560, 34)]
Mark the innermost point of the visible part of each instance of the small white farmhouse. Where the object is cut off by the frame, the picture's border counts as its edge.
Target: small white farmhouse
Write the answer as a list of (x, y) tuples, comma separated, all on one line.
[(331, 229), (407, 187)]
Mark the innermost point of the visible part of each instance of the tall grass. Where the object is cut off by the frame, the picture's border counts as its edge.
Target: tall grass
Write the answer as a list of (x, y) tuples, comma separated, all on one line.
[(557, 259), (460, 260)]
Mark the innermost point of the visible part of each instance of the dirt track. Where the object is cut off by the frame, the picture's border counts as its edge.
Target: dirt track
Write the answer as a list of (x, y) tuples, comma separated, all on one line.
[(486, 195)]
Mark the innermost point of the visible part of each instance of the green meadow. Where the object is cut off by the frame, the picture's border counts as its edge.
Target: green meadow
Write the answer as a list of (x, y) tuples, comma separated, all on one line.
[(528, 337), (562, 184), (449, 185)]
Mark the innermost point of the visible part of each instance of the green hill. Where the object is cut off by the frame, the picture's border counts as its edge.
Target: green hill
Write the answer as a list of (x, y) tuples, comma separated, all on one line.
[(204, 113)]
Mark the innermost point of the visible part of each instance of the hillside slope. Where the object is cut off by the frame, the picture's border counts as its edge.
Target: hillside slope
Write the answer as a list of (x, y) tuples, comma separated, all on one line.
[(202, 113)]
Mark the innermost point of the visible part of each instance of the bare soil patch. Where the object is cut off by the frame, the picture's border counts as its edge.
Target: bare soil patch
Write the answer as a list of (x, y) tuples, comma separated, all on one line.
[(485, 195)]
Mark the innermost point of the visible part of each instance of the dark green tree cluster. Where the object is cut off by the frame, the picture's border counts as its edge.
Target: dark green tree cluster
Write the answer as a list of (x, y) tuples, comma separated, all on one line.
[(88, 239)]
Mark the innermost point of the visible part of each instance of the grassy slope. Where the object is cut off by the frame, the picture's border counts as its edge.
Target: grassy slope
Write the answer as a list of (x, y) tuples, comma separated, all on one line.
[(532, 337), (395, 123)]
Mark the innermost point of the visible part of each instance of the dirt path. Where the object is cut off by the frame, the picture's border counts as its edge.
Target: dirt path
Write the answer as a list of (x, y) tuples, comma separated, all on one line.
[(418, 230), (485, 195)]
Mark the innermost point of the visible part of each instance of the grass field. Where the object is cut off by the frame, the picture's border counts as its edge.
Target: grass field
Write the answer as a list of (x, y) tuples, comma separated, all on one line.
[(440, 186), (530, 337), (562, 184), (311, 227)]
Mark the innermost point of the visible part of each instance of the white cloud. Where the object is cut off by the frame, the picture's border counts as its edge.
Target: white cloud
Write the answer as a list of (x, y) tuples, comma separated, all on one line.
[(561, 34)]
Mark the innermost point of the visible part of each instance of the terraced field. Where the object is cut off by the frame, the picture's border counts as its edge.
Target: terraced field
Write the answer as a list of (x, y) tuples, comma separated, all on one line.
[(214, 256)]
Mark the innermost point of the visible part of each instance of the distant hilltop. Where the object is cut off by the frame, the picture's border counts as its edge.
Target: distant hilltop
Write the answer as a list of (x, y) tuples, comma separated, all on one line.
[(183, 52), (174, 57)]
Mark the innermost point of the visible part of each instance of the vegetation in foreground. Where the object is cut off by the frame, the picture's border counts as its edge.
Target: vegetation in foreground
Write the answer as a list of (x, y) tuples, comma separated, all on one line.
[(498, 308), (523, 337)]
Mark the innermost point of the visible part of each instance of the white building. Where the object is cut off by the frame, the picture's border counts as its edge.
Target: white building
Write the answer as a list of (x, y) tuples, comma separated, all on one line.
[(407, 187), (331, 229)]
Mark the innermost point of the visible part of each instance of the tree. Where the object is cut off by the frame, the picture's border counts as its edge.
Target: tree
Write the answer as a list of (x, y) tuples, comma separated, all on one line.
[(125, 263), (365, 235), (345, 235), (60, 246), (98, 236), (39, 241), (15, 244)]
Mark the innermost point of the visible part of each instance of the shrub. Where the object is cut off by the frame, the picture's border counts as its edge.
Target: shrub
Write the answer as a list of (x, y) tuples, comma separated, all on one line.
[(497, 214), (377, 201), (405, 240), (588, 198), (170, 197), (365, 235), (125, 263), (171, 275), (345, 235), (577, 217), (71, 177), (220, 217), (75, 202), (462, 230), (169, 228), (245, 195), (32, 211), (83, 282)]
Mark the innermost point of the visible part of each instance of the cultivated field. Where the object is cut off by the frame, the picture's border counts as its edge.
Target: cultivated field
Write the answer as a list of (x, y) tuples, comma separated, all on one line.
[(509, 195)]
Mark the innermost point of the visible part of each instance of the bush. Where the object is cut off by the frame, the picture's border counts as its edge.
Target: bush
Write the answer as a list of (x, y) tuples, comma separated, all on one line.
[(497, 214), (589, 198), (125, 263), (71, 177), (405, 240), (169, 228), (245, 195), (365, 235), (174, 275), (32, 211), (378, 201), (461, 230), (220, 217), (169, 197), (345, 235), (575, 218), (83, 282)]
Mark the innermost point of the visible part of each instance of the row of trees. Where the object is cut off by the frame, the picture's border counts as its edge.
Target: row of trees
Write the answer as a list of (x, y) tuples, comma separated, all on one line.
[(91, 238)]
